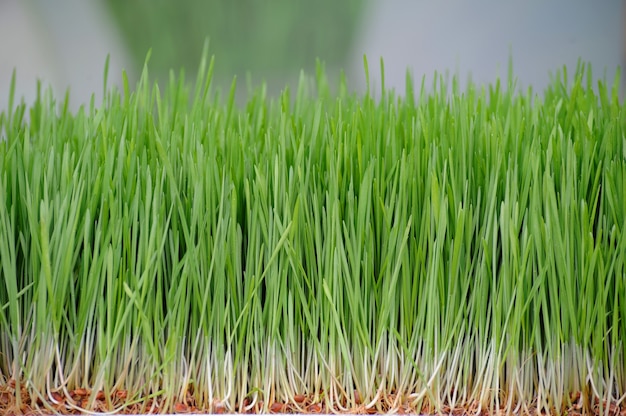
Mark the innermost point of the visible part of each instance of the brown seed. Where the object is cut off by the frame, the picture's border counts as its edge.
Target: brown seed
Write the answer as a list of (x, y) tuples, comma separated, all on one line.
[(100, 395), (81, 392), (181, 408), (314, 408), (299, 398), (372, 410), (56, 396), (276, 407), (121, 394), (357, 397)]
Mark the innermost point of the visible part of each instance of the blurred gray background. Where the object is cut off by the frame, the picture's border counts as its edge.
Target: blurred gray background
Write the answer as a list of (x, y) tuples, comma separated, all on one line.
[(64, 43), (474, 39)]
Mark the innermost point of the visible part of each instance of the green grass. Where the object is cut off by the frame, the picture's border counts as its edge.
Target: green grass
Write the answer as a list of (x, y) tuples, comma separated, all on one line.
[(444, 249)]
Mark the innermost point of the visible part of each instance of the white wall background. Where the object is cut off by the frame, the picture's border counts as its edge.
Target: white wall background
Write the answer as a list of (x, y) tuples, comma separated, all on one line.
[(477, 37), (63, 43)]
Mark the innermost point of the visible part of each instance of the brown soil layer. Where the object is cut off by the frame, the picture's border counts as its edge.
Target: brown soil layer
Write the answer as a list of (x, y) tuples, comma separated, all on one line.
[(80, 401)]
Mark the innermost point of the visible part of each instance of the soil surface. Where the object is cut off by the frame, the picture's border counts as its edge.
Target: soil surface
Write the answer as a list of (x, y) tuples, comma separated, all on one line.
[(82, 401)]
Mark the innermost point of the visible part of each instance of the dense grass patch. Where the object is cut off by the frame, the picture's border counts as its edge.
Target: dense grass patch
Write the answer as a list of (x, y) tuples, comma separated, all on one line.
[(448, 249)]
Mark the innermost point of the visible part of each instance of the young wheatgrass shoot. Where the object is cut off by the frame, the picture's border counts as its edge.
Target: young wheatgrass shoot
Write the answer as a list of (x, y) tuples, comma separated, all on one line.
[(168, 250)]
